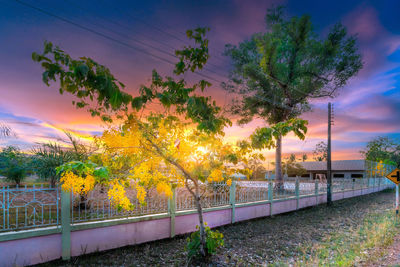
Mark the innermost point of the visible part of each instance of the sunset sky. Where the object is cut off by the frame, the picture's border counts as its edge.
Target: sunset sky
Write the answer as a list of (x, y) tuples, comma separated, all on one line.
[(367, 107)]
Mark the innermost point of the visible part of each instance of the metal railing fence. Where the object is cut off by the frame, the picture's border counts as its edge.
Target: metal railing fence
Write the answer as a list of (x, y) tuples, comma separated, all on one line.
[(33, 207), (29, 207)]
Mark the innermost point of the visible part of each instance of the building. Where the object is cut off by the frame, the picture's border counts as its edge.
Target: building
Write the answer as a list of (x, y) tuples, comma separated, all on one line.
[(340, 169)]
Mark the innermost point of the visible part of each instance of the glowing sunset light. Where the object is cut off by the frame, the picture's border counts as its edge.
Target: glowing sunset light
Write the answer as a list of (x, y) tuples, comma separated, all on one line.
[(368, 106)]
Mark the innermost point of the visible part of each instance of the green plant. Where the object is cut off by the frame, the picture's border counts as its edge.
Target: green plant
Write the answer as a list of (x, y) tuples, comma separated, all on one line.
[(46, 158), (214, 240), (13, 164), (15, 173)]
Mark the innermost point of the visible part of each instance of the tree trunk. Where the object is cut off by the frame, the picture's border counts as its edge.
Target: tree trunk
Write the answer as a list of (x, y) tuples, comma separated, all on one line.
[(279, 184), (197, 197), (53, 182), (203, 245)]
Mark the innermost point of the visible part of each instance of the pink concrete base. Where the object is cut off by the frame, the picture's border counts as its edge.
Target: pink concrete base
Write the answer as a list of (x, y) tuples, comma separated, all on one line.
[(284, 206), (251, 212), (337, 196), (322, 199), (348, 194), (29, 251), (187, 223), (357, 192), (307, 202)]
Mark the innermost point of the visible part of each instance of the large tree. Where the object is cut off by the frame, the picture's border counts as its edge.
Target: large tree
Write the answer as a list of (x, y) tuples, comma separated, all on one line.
[(278, 72), (382, 149), (178, 143)]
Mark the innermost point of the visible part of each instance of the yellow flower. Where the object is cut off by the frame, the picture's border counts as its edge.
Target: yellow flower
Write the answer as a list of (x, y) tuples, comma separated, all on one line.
[(140, 193), (164, 188), (118, 197), (215, 176)]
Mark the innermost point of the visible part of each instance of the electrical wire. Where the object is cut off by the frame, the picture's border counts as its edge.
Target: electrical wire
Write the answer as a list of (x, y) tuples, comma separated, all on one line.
[(107, 37)]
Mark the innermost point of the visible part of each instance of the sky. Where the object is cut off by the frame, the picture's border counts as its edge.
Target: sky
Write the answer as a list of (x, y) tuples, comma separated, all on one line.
[(134, 37)]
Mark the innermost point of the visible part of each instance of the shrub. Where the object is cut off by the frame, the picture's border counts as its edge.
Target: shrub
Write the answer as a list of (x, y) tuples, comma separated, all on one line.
[(15, 174), (46, 158), (13, 164), (214, 240)]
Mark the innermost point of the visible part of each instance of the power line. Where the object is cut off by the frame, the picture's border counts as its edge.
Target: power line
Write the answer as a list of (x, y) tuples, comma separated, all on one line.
[(158, 28), (141, 42), (128, 45), (107, 37)]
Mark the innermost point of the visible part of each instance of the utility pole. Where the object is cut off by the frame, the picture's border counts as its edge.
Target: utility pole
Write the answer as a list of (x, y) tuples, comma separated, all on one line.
[(329, 158)]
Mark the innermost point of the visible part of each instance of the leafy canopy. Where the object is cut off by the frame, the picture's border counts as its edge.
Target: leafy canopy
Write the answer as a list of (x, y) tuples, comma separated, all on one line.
[(93, 83), (279, 71), (266, 137)]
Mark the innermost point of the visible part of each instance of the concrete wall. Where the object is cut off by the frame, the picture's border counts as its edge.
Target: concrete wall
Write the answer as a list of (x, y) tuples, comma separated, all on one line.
[(98, 236), (104, 238), (251, 212), (28, 251)]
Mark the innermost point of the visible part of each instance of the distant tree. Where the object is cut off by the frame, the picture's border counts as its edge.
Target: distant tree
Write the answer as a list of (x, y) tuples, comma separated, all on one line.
[(80, 151), (293, 168), (257, 169), (320, 153), (382, 149), (14, 164), (46, 158), (276, 73), (304, 157), (292, 158)]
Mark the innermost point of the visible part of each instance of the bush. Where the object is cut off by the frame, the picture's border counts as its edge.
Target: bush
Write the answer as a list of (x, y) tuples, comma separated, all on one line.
[(13, 164), (214, 240), (15, 174)]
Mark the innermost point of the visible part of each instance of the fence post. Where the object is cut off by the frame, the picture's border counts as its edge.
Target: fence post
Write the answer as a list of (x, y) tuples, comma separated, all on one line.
[(297, 190), (316, 192), (379, 184), (172, 210), (270, 196), (232, 199), (65, 224)]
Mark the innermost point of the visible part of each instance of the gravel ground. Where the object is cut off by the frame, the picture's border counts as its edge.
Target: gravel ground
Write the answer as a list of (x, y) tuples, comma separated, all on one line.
[(253, 243)]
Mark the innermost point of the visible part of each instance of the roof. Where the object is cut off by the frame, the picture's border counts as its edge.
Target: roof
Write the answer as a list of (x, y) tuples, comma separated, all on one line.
[(337, 165)]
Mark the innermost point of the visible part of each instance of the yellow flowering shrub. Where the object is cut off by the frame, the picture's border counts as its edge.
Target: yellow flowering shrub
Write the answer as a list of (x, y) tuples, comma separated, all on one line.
[(164, 155)]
